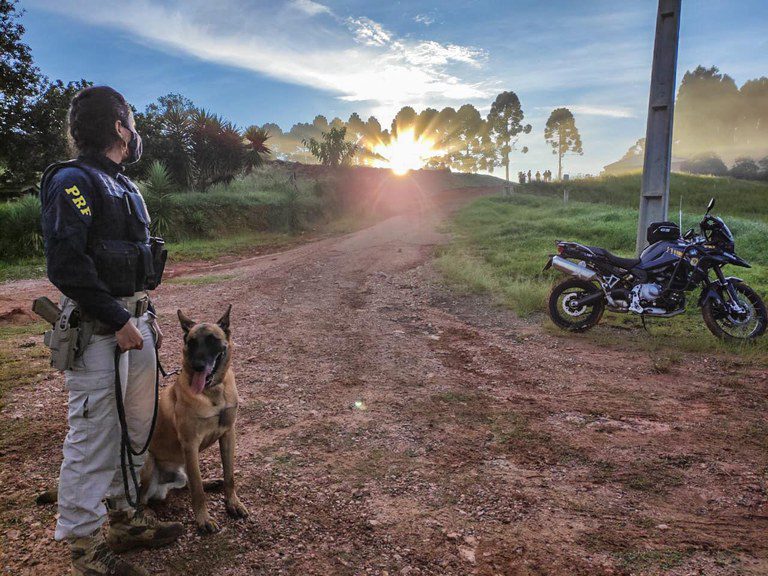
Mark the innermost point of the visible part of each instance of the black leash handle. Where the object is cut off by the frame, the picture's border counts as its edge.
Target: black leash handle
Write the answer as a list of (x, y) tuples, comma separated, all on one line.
[(127, 451)]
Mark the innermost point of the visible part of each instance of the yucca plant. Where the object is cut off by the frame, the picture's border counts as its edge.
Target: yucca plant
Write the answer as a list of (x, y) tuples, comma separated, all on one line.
[(159, 187), (177, 145), (217, 149), (256, 147)]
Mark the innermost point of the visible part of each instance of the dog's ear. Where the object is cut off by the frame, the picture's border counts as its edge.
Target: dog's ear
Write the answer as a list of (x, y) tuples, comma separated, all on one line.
[(224, 320), (186, 323)]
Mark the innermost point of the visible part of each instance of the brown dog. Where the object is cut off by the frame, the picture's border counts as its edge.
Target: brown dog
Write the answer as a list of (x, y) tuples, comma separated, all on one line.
[(199, 409)]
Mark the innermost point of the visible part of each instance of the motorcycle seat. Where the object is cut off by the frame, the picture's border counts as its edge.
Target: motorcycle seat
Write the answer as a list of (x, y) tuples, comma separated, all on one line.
[(618, 261)]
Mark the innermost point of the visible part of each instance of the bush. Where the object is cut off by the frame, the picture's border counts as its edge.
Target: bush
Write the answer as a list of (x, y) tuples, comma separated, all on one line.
[(745, 168), (20, 229), (707, 163)]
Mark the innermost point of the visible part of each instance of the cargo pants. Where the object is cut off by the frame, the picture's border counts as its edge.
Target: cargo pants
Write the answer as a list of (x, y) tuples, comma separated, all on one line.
[(91, 468)]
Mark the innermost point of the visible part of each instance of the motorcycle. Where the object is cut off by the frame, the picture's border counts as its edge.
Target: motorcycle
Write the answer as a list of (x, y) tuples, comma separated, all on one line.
[(656, 283)]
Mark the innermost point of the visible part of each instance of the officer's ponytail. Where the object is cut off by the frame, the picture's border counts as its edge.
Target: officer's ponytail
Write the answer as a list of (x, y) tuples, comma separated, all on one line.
[(92, 116)]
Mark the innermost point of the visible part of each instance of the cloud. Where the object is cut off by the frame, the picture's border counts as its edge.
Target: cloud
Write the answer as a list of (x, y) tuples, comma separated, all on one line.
[(425, 19), (591, 110), (356, 58), (310, 7), (368, 32), (430, 53)]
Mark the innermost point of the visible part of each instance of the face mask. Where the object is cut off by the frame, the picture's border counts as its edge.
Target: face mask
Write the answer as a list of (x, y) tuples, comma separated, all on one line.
[(134, 148)]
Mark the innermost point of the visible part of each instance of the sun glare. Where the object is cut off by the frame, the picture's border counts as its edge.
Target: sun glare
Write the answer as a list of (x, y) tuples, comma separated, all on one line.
[(405, 153)]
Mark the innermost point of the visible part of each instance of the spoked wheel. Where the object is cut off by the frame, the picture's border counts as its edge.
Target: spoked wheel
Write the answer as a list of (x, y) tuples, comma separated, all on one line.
[(737, 324), (564, 311)]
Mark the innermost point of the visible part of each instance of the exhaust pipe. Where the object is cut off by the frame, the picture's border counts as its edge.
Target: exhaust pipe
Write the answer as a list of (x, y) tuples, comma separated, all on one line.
[(573, 269)]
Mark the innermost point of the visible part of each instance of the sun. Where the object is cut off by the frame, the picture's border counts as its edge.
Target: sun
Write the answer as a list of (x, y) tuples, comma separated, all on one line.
[(405, 153)]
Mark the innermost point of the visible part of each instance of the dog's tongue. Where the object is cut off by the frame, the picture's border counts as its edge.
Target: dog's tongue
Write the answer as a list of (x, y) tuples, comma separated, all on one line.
[(198, 379)]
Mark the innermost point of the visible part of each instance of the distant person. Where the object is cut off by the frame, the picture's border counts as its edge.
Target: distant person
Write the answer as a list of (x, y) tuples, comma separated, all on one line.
[(566, 177), (548, 176), (529, 177), (538, 176), (521, 177)]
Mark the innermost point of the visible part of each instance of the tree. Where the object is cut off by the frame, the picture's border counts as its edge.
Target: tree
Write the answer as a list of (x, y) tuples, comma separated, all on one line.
[(320, 123), (405, 119), (256, 147), (166, 129), (763, 168), (48, 121), (745, 169), (424, 124), (19, 78), (706, 112), (707, 163), (356, 134), (505, 122), (332, 150), (752, 122), (561, 133), (467, 148), (217, 149)]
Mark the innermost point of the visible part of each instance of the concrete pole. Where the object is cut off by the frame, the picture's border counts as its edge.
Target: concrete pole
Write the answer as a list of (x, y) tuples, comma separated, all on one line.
[(654, 196)]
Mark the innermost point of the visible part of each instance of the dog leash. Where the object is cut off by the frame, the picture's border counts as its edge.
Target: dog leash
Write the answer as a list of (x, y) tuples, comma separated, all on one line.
[(126, 446)]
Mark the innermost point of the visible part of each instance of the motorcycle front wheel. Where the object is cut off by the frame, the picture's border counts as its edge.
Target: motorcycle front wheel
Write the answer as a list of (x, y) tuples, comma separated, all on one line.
[(733, 327), (569, 317)]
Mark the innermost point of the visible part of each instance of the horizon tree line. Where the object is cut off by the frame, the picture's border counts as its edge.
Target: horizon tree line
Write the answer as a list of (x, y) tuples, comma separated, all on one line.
[(201, 148)]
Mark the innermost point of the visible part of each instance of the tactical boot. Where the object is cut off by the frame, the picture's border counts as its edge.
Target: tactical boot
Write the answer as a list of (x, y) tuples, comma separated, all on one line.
[(92, 557), (129, 530)]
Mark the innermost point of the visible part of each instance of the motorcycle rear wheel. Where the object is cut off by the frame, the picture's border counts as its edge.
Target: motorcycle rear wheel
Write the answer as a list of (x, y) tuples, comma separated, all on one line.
[(569, 318), (736, 330)]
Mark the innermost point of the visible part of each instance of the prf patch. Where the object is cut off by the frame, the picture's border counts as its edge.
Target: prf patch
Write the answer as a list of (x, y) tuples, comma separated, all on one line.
[(78, 200)]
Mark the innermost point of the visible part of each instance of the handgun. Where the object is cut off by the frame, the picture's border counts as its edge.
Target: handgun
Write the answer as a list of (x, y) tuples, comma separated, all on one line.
[(46, 309)]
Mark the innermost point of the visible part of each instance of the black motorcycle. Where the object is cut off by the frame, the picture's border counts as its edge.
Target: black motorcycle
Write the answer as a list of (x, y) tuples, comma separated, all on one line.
[(655, 284)]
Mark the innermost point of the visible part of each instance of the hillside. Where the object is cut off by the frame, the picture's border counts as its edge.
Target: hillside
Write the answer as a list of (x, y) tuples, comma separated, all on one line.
[(734, 197)]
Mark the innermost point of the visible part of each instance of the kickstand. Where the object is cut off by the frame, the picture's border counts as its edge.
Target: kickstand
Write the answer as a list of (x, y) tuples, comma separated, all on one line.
[(642, 317)]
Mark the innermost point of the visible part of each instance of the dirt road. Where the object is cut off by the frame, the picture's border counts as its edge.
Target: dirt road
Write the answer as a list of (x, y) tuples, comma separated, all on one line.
[(389, 426)]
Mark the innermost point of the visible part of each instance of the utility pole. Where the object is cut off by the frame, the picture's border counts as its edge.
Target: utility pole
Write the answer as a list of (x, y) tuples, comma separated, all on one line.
[(654, 196)]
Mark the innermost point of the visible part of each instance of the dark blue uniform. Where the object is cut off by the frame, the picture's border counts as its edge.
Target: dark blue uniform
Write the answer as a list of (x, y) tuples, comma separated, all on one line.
[(96, 232)]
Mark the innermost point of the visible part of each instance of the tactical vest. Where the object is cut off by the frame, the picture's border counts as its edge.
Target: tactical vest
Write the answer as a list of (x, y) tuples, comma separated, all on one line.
[(127, 258)]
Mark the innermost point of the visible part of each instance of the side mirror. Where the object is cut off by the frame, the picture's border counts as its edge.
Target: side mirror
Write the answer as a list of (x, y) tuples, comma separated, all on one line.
[(710, 205)]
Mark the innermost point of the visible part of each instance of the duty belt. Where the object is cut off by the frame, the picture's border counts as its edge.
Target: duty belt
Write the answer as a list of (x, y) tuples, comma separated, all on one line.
[(137, 305)]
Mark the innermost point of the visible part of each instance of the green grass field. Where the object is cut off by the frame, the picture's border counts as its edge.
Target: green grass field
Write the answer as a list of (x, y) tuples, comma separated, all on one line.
[(501, 245), (734, 197)]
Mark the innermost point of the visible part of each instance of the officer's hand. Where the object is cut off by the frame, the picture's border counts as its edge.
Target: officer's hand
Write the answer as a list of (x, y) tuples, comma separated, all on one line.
[(129, 337)]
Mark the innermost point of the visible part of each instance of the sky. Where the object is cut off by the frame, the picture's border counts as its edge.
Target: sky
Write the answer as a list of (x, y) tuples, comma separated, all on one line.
[(258, 61)]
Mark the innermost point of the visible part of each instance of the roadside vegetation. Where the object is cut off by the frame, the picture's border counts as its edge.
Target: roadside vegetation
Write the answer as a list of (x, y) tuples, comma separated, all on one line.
[(501, 245), (273, 207)]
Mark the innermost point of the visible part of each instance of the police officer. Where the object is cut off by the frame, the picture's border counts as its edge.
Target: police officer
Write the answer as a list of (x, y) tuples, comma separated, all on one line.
[(98, 254)]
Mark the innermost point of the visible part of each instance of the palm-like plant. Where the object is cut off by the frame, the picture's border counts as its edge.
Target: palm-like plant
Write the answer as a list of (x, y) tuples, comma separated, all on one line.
[(177, 145), (256, 147), (217, 149), (158, 188)]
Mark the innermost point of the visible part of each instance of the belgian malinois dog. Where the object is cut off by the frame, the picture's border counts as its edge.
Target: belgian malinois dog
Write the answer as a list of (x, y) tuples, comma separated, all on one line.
[(199, 409)]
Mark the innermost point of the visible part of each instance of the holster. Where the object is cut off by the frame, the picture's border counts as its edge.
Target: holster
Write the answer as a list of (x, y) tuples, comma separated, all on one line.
[(65, 339)]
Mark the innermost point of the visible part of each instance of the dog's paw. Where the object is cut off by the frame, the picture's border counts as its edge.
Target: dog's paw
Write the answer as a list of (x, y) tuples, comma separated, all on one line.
[(236, 509), (207, 525)]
